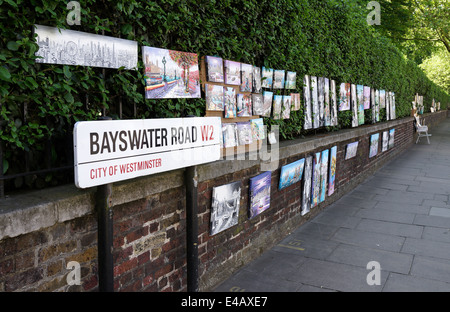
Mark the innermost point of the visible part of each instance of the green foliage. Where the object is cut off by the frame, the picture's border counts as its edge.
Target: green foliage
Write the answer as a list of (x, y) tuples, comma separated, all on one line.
[(329, 38)]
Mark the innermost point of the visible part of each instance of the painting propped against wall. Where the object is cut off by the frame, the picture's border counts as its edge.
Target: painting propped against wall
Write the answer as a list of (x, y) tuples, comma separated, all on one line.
[(315, 102), (354, 104), (332, 173), (373, 150), (307, 98), (259, 193), (344, 96), (225, 207), (307, 179), (351, 150), (170, 74), (333, 104), (391, 138), (385, 143), (323, 174), (214, 97), (291, 173), (214, 68), (315, 186), (232, 74), (267, 77), (267, 103)]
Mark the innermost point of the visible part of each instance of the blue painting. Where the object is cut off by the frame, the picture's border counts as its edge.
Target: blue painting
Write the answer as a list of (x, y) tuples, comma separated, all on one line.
[(291, 173)]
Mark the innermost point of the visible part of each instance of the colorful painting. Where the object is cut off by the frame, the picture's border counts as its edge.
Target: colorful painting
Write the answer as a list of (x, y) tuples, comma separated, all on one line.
[(332, 173), (258, 104), (382, 99), (291, 78), (278, 78), (230, 106), (258, 131), (267, 103), (267, 77), (377, 105), (295, 101), (315, 186), (246, 77), (354, 104), (326, 102), (324, 174), (385, 143), (366, 97), (244, 105), (307, 179), (307, 98), (393, 115), (344, 96), (351, 150), (214, 68), (170, 74), (229, 133), (391, 138), (257, 88), (360, 103), (291, 173), (232, 73), (388, 105), (71, 47), (277, 104), (214, 97), (286, 108), (333, 104), (315, 102), (321, 99), (225, 207), (244, 133), (373, 151), (259, 193)]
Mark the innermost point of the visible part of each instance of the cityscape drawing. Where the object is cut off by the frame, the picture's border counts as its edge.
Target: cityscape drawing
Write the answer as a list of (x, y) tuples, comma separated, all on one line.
[(259, 193), (291, 173), (70, 47), (306, 198), (225, 207)]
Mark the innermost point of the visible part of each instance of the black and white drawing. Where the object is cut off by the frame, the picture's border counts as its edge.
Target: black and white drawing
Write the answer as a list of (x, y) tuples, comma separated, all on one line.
[(70, 47), (315, 102), (307, 97), (225, 207), (307, 175)]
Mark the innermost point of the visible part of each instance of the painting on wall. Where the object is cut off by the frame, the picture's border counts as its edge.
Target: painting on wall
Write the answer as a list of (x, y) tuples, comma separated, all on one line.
[(259, 193), (225, 207), (382, 99), (393, 114), (307, 101), (230, 107), (291, 78), (315, 102), (277, 104), (267, 103), (354, 104), (232, 73), (324, 174), (286, 108), (278, 78), (244, 105), (244, 132), (258, 104), (388, 105), (333, 104), (366, 97), (332, 173), (267, 77), (344, 96), (321, 99), (326, 103), (377, 105), (214, 68), (295, 101), (257, 87), (385, 143), (71, 47), (315, 186), (360, 103), (351, 150), (258, 131), (246, 77), (307, 179), (214, 97), (229, 133), (391, 138), (170, 74), (373, 150), (291, 173)]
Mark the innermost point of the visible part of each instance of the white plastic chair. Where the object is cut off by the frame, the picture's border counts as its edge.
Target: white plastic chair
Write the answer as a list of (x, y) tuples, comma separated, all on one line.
[(422, 130)]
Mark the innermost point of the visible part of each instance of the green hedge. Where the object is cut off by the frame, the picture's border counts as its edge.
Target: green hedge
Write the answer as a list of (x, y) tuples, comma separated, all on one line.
[(316, 37)]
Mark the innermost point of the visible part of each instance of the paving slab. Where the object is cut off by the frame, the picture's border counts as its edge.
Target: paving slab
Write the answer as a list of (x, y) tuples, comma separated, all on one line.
[(408, 283), (392, 228)]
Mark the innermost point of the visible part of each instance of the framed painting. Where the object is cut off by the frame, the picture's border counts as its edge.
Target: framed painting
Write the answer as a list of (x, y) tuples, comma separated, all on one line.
[(225, 203)]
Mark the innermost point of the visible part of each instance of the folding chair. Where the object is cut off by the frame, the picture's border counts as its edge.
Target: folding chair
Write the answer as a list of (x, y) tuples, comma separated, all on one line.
[(422, 130)]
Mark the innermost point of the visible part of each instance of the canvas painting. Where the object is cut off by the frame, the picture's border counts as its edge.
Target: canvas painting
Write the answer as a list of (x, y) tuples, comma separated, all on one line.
[(258, 104), (286, 108), (333, 104), (229, 133), (246, 77), (374, 138), (258, 131), (315, 187), (259, 193), (344, 96), (323, 174), (295, 101), (354, 104), (307, 98), (232, 73), (326, 102), (321, 99), (170, 74), (391, 138), (267, 103), (366, 97), (214, 68), (373, 107), (230, 105), (257, 88), (291, 78), (382, 99), (277, 104), (393, 115), (332, 173), (291, 173), (307, 179), (214, 97), (377, 105), (385, 144), (225, 207), (351, 150), (267, 77), (388, 105), (244, 133), (278, 78), (244, 105), (315, 102), (360, 103), (71, 47)]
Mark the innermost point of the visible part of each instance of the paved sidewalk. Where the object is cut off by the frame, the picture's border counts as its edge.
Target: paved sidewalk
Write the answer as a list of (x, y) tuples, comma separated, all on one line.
[(399, 217)]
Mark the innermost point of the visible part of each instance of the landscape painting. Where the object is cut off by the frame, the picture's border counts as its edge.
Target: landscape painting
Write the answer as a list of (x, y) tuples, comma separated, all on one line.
[(277, 104), (366, 97), (360, 103), (258, 131), (257, 88), (246, 77), (307, 98), (229, 133), (332, 173), (354, 104), (323, 174), (244, 133), (333, 104), (267, 103), (267, 77), (351, 150), (326, 103), (291, 173), (214, 69), (232, 73), (214, 97), (321, 99), (286, 108), (307, 178), (385, 143), (315, 187), (278, 79), (225, 207), (295, 99), (244, 105), (291, 78), (259, 189), (230, 105), (170, 74), (373, 151), (382, 99), (391, 138), (344, 96), (315, 102)]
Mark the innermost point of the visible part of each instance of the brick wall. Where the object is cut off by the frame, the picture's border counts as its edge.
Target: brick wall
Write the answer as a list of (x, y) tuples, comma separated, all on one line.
[(150, 221)]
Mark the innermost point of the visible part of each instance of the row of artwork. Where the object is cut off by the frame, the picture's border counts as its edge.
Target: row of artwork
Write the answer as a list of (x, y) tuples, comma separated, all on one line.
[(387, 143), (242, 133)]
